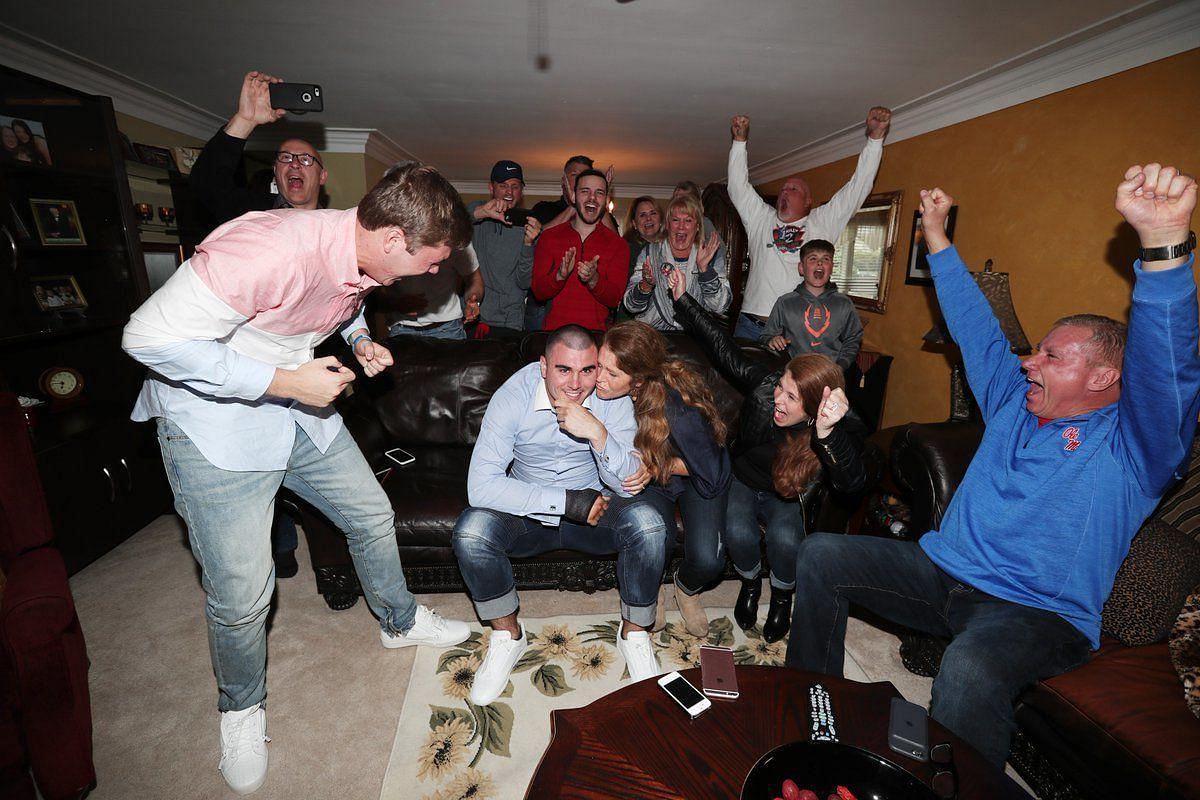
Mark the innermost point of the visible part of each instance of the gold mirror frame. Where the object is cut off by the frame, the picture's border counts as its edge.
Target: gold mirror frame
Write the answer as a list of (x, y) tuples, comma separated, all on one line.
[(893, 201)]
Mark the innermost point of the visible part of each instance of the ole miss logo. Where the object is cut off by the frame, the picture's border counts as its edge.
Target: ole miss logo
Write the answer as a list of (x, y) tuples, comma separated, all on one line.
[(1071, 434)]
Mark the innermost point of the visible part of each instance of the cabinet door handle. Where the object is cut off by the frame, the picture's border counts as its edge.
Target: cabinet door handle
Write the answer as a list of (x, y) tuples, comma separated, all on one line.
[(112, 486), (128, 476), (11, 243)]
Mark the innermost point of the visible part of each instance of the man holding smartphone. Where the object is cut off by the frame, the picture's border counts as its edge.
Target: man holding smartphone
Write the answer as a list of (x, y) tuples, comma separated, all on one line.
[(299, 176), (503, 240)]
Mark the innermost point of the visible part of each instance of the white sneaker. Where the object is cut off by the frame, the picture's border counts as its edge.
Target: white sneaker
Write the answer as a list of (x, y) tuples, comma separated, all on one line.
[(639, 655), (428, 628), (244, 748), (502, 655)]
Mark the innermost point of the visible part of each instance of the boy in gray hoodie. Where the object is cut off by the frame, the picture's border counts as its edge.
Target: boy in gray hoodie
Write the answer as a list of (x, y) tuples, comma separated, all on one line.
[(815, 317)]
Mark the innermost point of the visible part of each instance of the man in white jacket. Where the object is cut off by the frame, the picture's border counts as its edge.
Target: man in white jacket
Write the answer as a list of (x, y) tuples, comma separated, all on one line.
[(775, 235)]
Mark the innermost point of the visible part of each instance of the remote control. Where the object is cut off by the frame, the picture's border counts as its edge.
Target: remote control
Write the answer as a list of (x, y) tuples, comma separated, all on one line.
[(824, 729)]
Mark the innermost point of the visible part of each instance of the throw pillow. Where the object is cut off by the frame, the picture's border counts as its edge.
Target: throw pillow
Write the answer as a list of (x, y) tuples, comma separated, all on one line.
[(1184, 645), (1162, 567), (1181, 507)]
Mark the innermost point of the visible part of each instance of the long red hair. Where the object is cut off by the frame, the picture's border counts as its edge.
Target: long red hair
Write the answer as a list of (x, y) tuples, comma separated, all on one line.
[(796, 462)]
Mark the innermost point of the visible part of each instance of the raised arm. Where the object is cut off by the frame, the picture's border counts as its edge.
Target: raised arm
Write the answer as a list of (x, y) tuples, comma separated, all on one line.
[(993, 371), (747, 202), (831, 218), (739, 369), (1160, 376)]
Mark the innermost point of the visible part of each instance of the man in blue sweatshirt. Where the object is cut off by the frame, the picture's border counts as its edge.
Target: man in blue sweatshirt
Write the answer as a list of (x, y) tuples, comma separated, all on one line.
[(1082, 441)]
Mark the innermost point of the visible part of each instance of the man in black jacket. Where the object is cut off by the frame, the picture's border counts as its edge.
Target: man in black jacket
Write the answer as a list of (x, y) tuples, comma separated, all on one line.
[(299, 173), (299, 176)]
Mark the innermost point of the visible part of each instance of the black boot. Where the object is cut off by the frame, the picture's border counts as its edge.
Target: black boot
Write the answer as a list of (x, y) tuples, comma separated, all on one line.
[(779, 616), (745, 610)]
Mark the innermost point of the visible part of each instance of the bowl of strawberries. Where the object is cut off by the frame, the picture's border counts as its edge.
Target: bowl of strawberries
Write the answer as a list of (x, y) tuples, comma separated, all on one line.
[(809, 770)]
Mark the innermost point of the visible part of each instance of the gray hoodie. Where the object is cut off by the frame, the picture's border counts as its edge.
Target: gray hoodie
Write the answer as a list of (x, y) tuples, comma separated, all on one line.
[(825, 323)]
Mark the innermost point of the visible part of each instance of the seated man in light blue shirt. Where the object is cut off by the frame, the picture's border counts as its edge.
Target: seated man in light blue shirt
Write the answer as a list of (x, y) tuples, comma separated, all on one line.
[(547, 448)]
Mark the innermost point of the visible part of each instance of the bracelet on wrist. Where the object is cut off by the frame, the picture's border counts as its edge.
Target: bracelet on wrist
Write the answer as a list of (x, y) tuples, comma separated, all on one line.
[(354, 342)]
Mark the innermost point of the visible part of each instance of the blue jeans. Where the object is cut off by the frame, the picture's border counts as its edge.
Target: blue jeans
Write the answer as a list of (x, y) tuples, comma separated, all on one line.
[(748, 328), (703, 538), (997, 647), (535, 313), (485, 540), (228, 516), (450, 329), (785, 528)]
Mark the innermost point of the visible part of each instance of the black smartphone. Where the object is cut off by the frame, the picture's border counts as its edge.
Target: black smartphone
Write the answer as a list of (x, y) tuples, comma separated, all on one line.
[(908, 729), (517, 217), (298, 98)]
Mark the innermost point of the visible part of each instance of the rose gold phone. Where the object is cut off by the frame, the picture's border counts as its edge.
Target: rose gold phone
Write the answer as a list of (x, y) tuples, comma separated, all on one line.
[(718, 675)]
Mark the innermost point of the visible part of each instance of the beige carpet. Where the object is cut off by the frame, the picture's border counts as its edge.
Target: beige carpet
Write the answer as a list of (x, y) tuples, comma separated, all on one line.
[(335, 695), (447, 748)]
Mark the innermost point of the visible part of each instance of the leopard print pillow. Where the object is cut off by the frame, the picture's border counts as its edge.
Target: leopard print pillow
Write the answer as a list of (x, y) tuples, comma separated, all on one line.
[(1162, 567), (1184, 645)]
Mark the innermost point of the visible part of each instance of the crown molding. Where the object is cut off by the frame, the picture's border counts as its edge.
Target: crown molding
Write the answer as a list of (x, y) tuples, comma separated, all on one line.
[(130, 96), (1106, 48), (554, 189)]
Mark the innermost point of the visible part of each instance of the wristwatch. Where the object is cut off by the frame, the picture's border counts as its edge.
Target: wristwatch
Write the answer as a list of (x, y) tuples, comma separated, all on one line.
[(1168, 252)]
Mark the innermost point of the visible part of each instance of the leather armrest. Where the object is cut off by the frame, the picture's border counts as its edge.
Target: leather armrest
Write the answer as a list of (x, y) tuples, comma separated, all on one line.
[(928, 463)]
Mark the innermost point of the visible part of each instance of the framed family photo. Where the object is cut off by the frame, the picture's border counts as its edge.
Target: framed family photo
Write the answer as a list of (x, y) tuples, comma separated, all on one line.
[(23, 140), (918, 252), (58, 293), (57, 222)]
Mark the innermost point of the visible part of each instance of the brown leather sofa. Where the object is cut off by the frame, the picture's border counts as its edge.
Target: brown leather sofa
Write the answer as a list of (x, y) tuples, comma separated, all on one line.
[(1116, 727), (431, 404)]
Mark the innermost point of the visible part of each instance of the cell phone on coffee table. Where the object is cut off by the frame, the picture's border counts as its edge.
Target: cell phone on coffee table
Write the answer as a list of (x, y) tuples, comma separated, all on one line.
[(718, 674)]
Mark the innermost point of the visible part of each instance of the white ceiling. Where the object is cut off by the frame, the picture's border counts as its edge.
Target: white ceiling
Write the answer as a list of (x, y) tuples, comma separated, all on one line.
[(648, 85)]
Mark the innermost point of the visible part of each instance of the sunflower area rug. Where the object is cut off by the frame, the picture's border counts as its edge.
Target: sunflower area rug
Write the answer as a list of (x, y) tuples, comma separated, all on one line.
[(447, 748)]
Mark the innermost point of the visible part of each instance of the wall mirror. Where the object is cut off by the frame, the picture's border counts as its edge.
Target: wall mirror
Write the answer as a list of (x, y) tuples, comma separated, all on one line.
[(862, 262)]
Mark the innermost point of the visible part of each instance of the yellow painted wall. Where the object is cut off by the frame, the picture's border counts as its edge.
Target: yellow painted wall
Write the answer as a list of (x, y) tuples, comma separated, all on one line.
[(1034, 185), (139, 130)]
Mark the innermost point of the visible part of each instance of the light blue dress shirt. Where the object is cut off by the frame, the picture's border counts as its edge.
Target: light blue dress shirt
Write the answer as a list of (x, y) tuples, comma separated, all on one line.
[(523, 463)]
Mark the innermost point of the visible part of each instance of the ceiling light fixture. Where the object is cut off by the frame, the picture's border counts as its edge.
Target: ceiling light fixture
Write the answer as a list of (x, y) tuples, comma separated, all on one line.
[(537, 35)]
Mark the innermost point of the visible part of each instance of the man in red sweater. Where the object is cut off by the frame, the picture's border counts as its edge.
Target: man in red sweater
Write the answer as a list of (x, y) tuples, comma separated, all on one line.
[(581, 265)]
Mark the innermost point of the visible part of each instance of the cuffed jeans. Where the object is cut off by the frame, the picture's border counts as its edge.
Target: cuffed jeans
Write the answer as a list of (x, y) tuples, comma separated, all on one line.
[(228, 516), (703, 537), (486, 540), (998, 647), (784, 521)]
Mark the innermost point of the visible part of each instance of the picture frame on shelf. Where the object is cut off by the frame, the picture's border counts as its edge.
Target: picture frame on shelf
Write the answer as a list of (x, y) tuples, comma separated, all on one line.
[(23, 140), (57, 222), (58, 293), (154, 156), (185, 158), (918, 273), (161, 262)]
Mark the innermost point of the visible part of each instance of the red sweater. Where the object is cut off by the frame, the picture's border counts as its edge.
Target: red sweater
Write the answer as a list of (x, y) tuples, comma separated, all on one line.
[(573, 302)]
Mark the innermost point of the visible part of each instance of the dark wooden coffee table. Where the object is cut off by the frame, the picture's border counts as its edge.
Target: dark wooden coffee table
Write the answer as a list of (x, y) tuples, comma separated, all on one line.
[(636, 743)]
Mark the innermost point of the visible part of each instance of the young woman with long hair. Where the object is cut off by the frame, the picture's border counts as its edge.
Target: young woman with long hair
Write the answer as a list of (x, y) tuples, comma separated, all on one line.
[(796, 436), (681, 440)]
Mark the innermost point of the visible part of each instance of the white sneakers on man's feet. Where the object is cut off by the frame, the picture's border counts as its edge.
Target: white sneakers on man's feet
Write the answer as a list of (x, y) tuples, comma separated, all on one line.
[(639, 655), (502, 655), (244, 748), (429, 628)]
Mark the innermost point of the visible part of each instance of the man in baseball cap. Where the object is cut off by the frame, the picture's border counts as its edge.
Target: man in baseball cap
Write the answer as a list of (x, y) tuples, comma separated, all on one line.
[(504, 245)]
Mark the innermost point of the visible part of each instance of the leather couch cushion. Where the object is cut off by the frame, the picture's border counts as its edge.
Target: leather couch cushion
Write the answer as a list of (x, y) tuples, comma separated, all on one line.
[(1122, 712), (437, 390), (1162, 567)]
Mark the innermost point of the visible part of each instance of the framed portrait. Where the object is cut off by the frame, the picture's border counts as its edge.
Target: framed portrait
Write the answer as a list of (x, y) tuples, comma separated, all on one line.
[(154, 156), (23, 141), (57, 222), (918, 252), (58, 293), (161, 262)]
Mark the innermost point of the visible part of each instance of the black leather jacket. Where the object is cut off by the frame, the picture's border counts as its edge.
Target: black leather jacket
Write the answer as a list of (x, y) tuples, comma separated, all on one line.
[(840, 453)]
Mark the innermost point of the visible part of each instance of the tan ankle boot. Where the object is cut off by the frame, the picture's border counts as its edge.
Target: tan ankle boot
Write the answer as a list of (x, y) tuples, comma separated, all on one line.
[(692, 609), (660, 613)]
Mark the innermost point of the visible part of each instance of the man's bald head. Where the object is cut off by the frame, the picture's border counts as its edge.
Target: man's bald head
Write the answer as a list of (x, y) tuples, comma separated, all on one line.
[(299, 185), (794, 200)]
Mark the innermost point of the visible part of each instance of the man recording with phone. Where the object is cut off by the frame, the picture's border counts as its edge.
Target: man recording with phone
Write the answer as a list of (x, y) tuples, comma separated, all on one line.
[(299, 176), (503, 239)]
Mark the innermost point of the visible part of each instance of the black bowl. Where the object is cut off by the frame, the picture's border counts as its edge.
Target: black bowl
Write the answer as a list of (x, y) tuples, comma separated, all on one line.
[(823, 766)]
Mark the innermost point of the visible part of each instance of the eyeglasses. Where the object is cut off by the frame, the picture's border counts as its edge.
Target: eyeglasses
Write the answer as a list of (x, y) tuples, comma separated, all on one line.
[(305, 159), (945, 777)]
